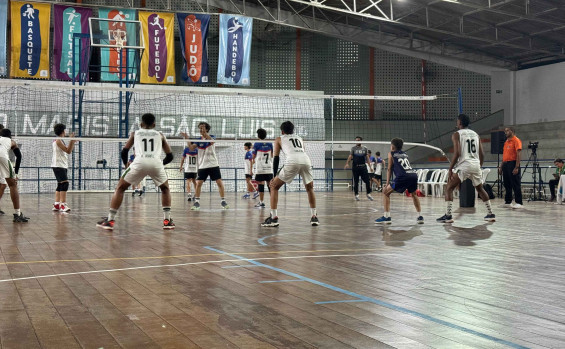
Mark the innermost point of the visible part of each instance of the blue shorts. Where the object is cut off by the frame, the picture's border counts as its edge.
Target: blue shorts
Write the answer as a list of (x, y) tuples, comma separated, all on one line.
[(407, 182)]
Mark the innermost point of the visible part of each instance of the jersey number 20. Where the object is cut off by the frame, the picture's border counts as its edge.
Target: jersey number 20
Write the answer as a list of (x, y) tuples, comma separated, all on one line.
[(405, 164)]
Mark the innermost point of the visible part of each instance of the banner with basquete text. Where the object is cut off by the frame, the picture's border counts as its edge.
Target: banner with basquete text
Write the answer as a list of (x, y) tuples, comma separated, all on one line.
[(193, 37), (235, 50), (158, 61)]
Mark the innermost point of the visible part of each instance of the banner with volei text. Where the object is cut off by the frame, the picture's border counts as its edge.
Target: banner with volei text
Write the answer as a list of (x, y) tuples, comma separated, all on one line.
[(235, 50), (110, 57), (30, 40), (3, 19), (193, 37), (67, 21), (158, 61)]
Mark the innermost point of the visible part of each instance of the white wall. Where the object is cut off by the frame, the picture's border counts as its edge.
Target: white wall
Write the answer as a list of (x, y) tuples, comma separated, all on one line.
[(502, 94)]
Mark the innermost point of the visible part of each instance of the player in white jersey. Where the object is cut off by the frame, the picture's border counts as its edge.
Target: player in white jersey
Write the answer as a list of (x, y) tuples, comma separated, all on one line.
[(263, 161), (189, 164), (296, 163), (9, 172), (466, 164), (3, 184), (248, 161), (60, 164), (208, 165), (149, 144)]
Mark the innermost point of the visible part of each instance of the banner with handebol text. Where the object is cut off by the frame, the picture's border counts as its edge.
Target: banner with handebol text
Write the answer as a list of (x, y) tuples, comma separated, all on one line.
[(30, 40), (67, 21), (235, 50), (110, 57), (158, 61), (193, 37), (3, 19)]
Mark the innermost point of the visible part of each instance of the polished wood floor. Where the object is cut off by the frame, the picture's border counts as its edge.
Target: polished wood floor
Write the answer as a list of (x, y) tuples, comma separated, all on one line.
[(219, 280)]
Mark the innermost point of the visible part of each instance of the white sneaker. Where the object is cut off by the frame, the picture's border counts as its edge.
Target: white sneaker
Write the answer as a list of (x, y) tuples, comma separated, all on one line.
[(517, 206), (356, 197), (369, 197), (64, 208), (507, 205)]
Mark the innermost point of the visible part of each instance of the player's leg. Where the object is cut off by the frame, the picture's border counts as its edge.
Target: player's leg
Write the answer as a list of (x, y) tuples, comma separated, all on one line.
[(201, 177), (506, 178), (261, 190), (365, 177), (63, 188), (166, 203), (412, 187), (3, 186), (250, 188), (453, 182), (356, 175), (385, 219), (553, 183), (133, 174), (517, 188), (15, 197), (216, 175), (273, 219), (490, 217)]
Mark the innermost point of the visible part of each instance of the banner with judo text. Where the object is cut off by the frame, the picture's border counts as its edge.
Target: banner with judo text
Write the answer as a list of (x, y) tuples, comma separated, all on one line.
[(235, 50), (193, 36), (158, 61), (3, 19), (110, 57), (67, 21), (30, 40)]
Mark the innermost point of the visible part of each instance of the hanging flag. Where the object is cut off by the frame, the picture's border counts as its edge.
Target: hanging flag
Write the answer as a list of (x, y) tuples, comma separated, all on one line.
[(3, 19), (67, 21), (158, 61), (30, 40), (235, 50), (110, 57), (193, 35)]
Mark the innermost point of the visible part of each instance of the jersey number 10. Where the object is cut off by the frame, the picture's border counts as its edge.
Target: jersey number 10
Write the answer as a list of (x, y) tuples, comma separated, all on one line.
[(295, 143)]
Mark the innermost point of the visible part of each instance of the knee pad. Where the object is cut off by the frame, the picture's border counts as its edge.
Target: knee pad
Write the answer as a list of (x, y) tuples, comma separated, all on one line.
[(63, 186), (261, 188)]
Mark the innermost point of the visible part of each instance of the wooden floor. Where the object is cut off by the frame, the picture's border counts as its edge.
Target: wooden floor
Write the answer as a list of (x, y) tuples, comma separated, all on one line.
[(221, 281)]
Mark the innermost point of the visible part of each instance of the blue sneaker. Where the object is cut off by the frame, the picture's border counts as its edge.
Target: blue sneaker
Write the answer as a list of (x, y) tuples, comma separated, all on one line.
[(255, 195), (420, 220), (445, 219), (490, 217), (383, 220), (246, 196)]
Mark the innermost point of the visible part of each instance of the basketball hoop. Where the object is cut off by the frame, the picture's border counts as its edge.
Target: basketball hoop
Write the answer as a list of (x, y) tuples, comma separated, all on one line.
[(119, 37)]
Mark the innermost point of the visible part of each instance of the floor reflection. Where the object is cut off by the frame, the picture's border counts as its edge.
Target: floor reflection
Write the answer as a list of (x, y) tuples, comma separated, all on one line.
[(397, 237), (467, 236)]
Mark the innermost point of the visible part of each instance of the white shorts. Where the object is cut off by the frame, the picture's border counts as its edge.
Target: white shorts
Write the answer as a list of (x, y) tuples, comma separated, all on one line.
[(289, 171), (469, 171), (6, 170), (137, 171)]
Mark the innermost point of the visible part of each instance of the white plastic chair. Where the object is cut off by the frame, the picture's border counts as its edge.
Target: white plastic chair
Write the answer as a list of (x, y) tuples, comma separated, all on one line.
[(431, 182), (440, 183), (422, 178)]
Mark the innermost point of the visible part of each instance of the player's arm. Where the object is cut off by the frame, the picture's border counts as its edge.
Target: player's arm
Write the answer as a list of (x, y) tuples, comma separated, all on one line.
[(347, 161), (389, 169), (167, 149), (481, 153), (18, 155), (368, 159), (66, 148), (276, 157), (205, 134), (189, 144), (182, 162), (456, 152), (125, 150)]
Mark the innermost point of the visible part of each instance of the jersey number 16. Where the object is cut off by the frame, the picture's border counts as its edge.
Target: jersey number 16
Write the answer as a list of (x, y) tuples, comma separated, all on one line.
[(471, 147)]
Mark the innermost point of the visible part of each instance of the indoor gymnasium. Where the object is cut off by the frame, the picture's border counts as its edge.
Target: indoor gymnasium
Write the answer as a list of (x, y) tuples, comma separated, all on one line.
[(282, 174)]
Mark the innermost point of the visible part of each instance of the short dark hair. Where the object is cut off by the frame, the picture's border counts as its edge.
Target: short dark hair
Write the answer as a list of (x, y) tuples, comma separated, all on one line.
[(261, 133), (148, 119), (378, 153), (5, 132), (369, 151), (207, 125), (59, 129), (1, 126), (558, 160), (287, 127), (398, 143), (248, 144), (464, 119), (510, 128), (360, 138)]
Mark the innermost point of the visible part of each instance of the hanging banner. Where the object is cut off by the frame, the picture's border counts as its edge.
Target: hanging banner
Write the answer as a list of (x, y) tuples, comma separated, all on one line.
[(235, 50), (3, 19), (158, 61), (67, 21), (193, 36), (110, 57), (30, 40)]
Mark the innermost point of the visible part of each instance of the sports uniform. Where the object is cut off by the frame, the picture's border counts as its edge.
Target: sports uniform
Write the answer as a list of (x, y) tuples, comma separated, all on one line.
[(190, 163), (208, 165), (371, 166), (468, 165), (6, 167), (148, 145), (405, 177), (60, 163), (248, 159), (263, 161), (359, 169), (296, 162), (379, 168)]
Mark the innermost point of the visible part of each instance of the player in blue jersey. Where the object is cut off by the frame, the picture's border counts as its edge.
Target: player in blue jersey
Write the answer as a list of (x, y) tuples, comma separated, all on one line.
[(380, 163), (405, 179), (189, 165), (263, 158), (249, 171)]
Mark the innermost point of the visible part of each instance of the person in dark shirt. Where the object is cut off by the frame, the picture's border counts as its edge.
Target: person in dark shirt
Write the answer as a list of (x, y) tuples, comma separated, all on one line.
[(360, 156), (405, 178)]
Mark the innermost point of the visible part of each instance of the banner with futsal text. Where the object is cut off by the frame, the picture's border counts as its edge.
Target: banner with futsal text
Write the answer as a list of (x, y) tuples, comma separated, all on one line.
[(30, 40), (3, 19), (193, 37), (158, 61), (110, 57), (67, 21), (235, 50)]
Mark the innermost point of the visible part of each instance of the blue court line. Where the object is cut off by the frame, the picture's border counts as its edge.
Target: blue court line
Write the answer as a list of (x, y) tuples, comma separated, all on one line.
[(375, 301), (241, 266), (344, 301), (270, 281)]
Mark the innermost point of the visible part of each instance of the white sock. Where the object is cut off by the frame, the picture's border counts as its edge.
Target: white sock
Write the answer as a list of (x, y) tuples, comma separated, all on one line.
[(167, 213), (274, 213), (487, 204), (196, 199), (419, 213), (18, 211), (387, 214), (449, 207), (313, 211), (57, 202), (112, 214)]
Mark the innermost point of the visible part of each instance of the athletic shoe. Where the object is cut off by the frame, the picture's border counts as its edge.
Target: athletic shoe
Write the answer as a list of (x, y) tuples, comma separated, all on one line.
[(20, 218), (271, 222), (246, 196), (420, 220), (63, 208), (356, 197), (225, 205), (195, 206), (141, 192), (189, 197), (260, 205), (517, 206), (314, 221), (134, 192), (370, 197), (445, 219), (383, 220), (552, 199), (255, 195), (2, 212), (106, 224), (507, 205), (56, 207), (490, 217), (168, 224)]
